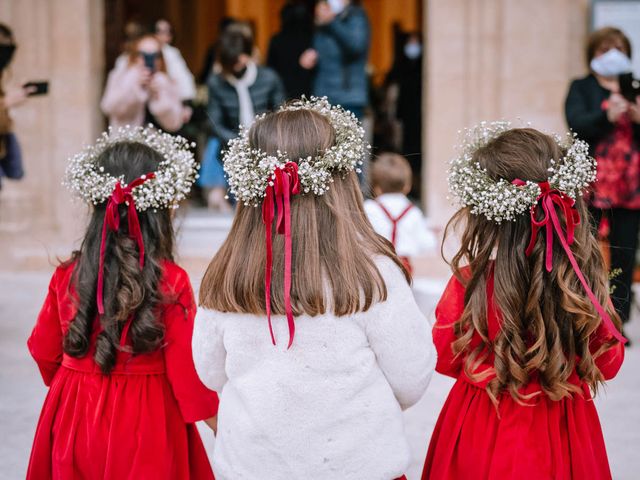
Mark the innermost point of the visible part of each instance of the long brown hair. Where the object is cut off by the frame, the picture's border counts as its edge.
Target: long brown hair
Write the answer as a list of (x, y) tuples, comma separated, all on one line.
[(546, 318), (128, 290), (334, 245)]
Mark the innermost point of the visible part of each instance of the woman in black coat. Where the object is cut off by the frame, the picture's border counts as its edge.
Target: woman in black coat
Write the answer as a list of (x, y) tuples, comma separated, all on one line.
[(288, 45), (600, 115)]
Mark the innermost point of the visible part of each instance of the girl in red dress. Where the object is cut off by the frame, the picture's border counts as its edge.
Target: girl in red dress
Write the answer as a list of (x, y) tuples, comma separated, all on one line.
[(113, 339), (526, 327)]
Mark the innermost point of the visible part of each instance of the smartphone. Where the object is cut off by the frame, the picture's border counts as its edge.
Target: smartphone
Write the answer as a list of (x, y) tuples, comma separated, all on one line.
[(150, 60), (629, 87), (41, 88)]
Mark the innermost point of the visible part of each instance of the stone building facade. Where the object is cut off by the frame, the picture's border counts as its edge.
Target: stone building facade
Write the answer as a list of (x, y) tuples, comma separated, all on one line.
[(489, 59)]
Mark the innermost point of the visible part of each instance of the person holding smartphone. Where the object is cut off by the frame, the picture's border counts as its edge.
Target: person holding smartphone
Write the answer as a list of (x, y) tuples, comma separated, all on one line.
[(140, 91), (10, 153), (597, 111)]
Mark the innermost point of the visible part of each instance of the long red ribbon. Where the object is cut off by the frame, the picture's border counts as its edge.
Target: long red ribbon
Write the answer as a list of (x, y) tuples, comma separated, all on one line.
[(119, 196), (548, 199), (284, 183)]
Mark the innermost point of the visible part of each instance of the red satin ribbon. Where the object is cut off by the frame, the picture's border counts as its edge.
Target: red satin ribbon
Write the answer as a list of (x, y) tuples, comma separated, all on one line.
[(119, 196), (549, 199), (284, 183)]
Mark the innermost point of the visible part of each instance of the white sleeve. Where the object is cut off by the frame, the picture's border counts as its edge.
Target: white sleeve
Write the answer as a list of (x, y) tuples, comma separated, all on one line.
[(424, 237), (400, 337), (209, 354), (378, 220), (179, 71)]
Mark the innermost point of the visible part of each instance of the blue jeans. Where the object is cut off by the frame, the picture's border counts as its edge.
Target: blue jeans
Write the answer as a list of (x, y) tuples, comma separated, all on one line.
[(211, 171)]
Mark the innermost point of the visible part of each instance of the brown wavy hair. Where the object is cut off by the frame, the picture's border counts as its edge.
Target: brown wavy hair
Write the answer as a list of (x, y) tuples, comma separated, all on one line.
[(334, 245), (546, 317), (128, 290)]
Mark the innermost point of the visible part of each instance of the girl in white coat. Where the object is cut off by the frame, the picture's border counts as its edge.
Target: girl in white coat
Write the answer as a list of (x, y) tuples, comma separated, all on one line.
[(307, 325)]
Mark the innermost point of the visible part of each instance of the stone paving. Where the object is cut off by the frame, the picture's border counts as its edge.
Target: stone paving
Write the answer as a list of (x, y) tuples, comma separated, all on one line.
[(22, 392)]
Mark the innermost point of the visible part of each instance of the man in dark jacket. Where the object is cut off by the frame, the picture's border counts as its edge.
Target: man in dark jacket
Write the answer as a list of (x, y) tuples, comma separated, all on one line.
[(341, 42), (243, 89)]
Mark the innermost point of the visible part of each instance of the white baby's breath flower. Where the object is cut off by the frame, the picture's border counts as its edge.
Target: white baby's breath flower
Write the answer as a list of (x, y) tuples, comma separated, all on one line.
[(249, 170), (501, 200), (173, 178)]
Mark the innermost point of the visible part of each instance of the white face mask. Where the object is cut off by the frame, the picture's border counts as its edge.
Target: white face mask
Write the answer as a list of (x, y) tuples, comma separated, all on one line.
[(412, 50), (337, 6), (611, 63)]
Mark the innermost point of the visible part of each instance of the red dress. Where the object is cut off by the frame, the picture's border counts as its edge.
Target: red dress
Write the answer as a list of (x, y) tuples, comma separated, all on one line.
[(550, 440), (137, 422)]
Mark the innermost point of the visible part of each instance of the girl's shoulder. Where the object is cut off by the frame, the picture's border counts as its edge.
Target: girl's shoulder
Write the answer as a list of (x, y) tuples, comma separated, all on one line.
[(392, 274), (62, 274), (174, 278), (386, 265)]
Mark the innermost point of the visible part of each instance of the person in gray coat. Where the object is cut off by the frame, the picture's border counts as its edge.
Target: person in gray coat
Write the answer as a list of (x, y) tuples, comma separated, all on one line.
[(339, 54)]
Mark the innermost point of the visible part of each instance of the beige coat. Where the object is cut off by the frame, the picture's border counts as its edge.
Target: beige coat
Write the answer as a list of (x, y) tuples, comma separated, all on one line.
[(124, 99)]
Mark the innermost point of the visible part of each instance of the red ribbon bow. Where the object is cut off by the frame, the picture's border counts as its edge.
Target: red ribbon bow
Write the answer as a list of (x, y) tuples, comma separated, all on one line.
[(119, 196), (548, 199), (284, 183)]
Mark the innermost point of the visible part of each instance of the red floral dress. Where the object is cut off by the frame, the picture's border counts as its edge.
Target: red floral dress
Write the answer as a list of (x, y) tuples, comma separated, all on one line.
[(617, 182), (137, 422), (550, 439)]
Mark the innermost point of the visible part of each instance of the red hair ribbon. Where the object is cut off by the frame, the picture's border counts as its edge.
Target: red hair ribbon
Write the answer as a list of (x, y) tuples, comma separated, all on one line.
[(119, 196), (549, 199), (284, 183)]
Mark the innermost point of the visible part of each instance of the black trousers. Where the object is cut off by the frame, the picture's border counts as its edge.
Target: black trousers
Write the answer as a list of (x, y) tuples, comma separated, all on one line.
[(623, 240)]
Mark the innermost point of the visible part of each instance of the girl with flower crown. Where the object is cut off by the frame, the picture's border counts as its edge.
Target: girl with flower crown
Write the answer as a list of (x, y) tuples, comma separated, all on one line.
[(113, 339), (525, 326), (307, 325)]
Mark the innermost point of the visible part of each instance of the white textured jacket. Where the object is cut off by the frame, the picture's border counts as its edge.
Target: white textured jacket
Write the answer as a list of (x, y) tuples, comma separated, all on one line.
[(331, 406)]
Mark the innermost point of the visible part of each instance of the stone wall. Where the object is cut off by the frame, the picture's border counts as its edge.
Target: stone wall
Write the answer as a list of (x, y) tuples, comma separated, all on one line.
[(490, 60), (484, 60), (60, 41)]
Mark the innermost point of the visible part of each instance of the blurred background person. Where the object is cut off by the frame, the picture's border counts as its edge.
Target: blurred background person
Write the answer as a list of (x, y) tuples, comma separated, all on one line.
[(10, 97), (176, 66), (339, 54), (133, 31), (406, 76), (392, 214), (598, 113), (141, 92), (240, 91), (287, 47), (209, 63)]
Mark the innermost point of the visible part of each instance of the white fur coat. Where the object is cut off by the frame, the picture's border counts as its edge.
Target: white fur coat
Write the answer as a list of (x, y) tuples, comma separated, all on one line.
[(328, 408)]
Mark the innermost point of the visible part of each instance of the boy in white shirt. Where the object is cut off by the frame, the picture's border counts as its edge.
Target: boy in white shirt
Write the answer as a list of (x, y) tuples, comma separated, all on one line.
[(392, 214)]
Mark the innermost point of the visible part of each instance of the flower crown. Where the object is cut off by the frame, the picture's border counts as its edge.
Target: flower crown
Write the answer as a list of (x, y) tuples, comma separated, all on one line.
[(250, 171), (172, 181), (500, 200)]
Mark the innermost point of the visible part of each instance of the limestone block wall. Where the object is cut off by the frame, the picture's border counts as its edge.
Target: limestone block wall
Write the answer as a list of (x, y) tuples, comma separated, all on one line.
[(60, 41), (490, 60)]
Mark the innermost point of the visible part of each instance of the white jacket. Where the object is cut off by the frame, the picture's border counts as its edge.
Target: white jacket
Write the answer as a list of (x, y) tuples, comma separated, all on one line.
[(328, 408), (413, 235), (179, 72), (124, 99)]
